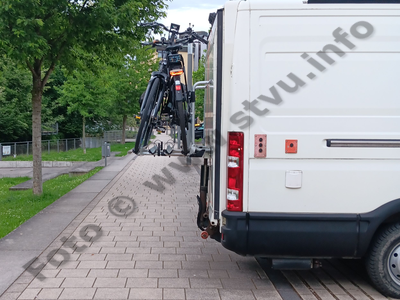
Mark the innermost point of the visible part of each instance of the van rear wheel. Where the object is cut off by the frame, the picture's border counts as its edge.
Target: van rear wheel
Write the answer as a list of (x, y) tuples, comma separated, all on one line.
[(383, 261)]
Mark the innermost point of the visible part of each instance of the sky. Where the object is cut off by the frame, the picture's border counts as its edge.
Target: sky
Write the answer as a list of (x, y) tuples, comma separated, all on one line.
[(196, 12)]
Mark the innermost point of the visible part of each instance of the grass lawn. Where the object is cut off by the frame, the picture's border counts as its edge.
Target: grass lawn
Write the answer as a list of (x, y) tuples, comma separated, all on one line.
[(16, 207), (93, 154)]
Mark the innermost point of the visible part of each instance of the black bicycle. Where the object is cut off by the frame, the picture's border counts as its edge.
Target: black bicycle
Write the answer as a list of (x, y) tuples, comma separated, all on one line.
[(165, 93)]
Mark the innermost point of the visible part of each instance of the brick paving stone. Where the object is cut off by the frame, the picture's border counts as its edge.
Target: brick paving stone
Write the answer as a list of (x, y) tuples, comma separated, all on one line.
[(120, 264), (16, 288), (237, 283), (67, 265), (47, 283), (205, 283), (145, 257), (148, 264), (49, 294), (197, 265), (145, 293), (236, 294), (264, 295), (78, 282), (172, 257), (173, 283), (29, 294), (110, 282), (171, 244), (142, 282), (92, 256), (168, 273), (111, 293), (11, 296), (97, 273), (77, 293), (171, 294), (193, 273), (48, 273), (119, 257), (202, 294), (243, 274), (172, 265), (119, 249), (92, 264), (163, 250)]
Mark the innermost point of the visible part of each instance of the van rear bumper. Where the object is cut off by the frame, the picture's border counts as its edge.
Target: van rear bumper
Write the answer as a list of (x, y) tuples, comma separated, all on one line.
[(303, 235)]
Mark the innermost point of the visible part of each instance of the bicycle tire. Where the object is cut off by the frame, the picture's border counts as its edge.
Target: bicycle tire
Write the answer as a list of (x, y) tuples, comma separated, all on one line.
[(182, 125), (145, 128)]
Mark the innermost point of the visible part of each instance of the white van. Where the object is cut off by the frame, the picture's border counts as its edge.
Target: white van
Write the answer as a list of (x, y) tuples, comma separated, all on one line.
[(303, 126)]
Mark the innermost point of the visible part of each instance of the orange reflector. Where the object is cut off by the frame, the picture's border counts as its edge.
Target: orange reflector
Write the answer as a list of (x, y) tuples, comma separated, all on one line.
[(175, 72)]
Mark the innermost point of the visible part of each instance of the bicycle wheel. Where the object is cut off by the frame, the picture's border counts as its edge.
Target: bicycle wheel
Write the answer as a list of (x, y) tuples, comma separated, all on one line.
[(182, 125), (146, 126)]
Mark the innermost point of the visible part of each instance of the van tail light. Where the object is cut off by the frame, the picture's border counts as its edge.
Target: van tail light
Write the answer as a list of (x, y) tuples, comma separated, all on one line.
[(234, 193)]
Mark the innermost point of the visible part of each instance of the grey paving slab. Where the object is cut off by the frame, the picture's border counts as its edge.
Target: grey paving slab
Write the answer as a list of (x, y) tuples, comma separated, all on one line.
[(35, 235)]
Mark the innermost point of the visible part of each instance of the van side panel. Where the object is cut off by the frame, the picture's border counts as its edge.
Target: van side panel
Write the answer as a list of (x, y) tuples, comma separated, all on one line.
[(319, 75)]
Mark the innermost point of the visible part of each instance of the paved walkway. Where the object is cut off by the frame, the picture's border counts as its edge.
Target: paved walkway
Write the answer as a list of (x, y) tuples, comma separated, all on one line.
[(136, 238)]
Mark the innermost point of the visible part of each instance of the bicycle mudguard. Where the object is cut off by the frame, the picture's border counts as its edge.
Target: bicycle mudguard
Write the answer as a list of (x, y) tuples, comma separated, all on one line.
[(178, 89), (158, 74)]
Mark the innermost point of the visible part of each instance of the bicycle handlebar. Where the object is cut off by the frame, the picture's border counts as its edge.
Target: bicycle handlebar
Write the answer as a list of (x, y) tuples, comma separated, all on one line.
[(193, 35)]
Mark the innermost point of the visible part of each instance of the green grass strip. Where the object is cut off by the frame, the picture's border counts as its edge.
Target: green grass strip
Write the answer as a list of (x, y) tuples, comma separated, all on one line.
[(16, 207)]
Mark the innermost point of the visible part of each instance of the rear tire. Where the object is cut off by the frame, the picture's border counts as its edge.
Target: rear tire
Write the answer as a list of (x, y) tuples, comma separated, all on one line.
[(182, 125), (146, 126), (383, 261)]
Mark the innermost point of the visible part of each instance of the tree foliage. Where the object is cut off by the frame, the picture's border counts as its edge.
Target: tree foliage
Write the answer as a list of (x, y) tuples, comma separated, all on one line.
[(15, 111), (199, 75), (130, 81)]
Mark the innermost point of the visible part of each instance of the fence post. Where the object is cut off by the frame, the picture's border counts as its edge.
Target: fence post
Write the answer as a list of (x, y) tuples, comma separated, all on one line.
[(58, 146), (66, 145), (1, 152), (15, 149), (27, 148), (48, 146), (74, 144)]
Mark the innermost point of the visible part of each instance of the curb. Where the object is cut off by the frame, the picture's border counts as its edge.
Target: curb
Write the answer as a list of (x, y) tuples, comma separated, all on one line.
[(45, 164)]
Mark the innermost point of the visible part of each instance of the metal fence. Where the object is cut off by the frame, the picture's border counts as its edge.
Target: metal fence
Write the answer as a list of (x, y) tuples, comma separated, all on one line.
[(62, 145), (116, 135)]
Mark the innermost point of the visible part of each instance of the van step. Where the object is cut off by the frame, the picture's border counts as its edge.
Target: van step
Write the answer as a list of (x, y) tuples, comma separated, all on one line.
[(294, 264)]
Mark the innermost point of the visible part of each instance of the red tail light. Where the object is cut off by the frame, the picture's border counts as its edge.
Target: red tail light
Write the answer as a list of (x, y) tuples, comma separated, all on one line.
[(235, 172)]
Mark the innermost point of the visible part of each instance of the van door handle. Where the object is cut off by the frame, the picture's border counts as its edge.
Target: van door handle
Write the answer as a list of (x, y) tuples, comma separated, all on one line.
[(362, 143)]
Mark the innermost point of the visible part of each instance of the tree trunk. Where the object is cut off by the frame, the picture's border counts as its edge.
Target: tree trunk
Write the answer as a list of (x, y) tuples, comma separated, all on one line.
[(83, 135), (37, 92), (123, 129)]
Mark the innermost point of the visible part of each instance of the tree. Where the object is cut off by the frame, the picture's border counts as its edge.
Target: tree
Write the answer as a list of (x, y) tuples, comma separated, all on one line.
[(130, 82), (89, 94), (43, 33)]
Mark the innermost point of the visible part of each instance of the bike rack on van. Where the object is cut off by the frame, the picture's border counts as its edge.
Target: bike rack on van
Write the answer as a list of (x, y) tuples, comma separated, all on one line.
[(159, 149)]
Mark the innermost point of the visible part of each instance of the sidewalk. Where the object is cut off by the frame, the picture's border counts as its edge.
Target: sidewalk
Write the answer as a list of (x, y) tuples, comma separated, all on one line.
[(100, 248), (34, 236)]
